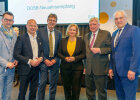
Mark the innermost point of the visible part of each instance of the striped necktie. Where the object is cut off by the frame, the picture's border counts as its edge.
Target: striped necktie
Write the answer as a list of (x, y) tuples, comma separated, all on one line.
[(117, 38)]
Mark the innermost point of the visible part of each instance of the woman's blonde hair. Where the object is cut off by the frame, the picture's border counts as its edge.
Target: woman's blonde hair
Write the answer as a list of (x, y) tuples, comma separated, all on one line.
[(71, 25)]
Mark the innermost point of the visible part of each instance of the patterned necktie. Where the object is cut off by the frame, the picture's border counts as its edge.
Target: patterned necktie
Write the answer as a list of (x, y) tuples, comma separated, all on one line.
[(92, 42), (51, 44), (117, 38)]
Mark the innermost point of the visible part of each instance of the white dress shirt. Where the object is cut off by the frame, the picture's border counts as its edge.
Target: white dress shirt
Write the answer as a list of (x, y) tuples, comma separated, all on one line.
[(34, 45)]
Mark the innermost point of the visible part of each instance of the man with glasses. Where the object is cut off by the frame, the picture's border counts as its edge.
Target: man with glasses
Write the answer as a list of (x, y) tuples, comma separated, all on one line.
[(125, 57), (7, 63), (51, 38)]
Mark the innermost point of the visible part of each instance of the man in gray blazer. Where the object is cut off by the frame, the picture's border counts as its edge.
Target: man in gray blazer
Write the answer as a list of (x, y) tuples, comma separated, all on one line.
[(98, 46), (7, 63)]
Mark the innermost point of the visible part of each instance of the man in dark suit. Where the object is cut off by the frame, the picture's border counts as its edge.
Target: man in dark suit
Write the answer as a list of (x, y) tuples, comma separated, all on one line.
[(51, 38), (29, 53), (125, 57), (98, 46)]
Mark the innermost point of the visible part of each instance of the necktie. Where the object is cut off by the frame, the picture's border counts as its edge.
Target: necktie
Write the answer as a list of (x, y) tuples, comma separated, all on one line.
[(117, 38), (92, 42), (51, 44)]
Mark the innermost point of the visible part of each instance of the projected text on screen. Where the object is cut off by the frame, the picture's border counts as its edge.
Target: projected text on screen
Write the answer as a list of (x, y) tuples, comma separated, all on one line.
[(68, 11)]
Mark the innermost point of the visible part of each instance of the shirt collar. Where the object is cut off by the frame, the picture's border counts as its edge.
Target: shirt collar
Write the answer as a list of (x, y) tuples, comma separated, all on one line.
[(49, 30), (96, 32), (121, 28), (30, 36)]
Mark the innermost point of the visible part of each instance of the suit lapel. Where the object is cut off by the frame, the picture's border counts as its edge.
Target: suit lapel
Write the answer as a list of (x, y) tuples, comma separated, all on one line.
[(89, 36), (46, 38), (39, 44), (56, 37), (98, 38), (14, 40), (76, 46), (65, 45), (123, 33), (6, 42), (113, 38), (27, 40)]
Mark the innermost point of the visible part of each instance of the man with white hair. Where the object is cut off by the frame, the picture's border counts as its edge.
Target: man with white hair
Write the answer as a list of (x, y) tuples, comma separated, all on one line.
[(125, 57), (98, 46)]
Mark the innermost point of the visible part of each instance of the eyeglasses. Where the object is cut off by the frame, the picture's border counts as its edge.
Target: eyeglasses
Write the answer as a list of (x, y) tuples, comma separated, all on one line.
[(10, 20)]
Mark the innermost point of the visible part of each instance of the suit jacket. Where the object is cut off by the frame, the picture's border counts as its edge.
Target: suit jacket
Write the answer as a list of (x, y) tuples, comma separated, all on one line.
[(23, 52), (6, 52), (44, 35), (126, 55), (98, 63), (79, 54)]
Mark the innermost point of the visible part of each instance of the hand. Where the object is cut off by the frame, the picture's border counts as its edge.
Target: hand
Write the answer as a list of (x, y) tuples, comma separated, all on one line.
[(48, 63), (53, 61), (111, 73), (131, 75), (71, 59), (67, 59), (34, 63), (95, 50), (10, 65), (15, 62), (39, 59)]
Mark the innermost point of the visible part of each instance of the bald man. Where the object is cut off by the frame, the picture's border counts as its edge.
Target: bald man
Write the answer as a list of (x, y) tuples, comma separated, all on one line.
[(29, 53)]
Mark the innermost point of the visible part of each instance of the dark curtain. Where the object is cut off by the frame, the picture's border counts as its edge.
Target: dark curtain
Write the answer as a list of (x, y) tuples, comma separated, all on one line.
[(136, 12), (82, 28)]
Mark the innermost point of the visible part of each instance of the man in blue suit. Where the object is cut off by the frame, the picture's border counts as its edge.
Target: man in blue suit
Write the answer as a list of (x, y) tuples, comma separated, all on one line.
[(29, 53), (125, 57), (51, 38), (7, 63)]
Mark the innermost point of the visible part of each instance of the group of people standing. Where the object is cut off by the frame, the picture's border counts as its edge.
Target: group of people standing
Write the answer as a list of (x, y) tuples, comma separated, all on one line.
[(38, 51)]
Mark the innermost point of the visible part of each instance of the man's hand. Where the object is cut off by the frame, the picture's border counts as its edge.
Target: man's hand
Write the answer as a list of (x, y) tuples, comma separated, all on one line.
[(48, 63), (15, 62), (53, 61), (39, 59), (111, 73), (34, 63), (10, 65), (131, 75), (95, 50)]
